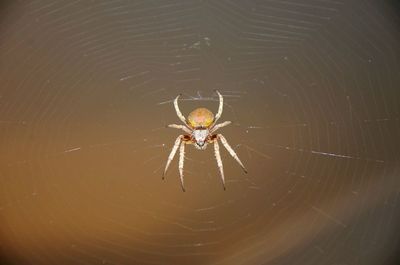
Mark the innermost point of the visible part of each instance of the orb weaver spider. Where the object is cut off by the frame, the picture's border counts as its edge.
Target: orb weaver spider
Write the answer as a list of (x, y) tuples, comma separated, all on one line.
[(200, 127)]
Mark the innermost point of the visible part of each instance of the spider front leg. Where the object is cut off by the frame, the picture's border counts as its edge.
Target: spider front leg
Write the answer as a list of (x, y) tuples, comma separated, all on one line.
[(172, 154), (231, 151), (180, 165), (219, 162)]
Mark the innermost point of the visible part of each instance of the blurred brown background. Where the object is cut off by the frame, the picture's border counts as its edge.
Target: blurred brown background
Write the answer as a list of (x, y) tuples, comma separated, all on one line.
[(312, 88)]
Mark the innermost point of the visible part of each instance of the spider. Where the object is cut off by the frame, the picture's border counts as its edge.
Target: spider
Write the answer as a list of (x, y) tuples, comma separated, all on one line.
[(200, 127)]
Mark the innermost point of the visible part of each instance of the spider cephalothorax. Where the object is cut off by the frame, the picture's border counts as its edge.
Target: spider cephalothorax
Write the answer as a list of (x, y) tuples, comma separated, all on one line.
[(200, 127)]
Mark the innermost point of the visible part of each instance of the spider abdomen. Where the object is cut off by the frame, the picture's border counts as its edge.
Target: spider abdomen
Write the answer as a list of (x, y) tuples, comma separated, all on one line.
[(200, 117)]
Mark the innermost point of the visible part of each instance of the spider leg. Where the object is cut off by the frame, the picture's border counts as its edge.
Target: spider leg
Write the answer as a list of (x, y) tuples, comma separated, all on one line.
[(178, 112), (218, 126), (183, 127), (231, 151), (181, 160), (172, 154), (220, 108), (219, 162)]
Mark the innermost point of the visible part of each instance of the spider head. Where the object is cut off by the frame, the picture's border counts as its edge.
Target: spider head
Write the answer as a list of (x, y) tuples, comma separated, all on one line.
[(200, 138)]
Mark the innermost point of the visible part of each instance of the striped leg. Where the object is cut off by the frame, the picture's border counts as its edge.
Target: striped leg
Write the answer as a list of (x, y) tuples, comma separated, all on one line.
[(219, 162), (172, 154), (219, 126), (181, 160), (182, 127), (178, 112), (220, 107), (231, 151)]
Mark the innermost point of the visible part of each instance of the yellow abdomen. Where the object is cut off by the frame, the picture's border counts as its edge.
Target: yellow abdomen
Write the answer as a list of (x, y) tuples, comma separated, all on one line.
[(200, 117)]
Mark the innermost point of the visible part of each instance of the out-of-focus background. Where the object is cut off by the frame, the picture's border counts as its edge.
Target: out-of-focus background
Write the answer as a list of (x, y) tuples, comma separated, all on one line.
[(312, 89)]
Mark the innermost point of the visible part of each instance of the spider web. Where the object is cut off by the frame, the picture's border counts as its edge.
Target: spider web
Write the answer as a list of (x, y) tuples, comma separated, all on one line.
[(311, 88)]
